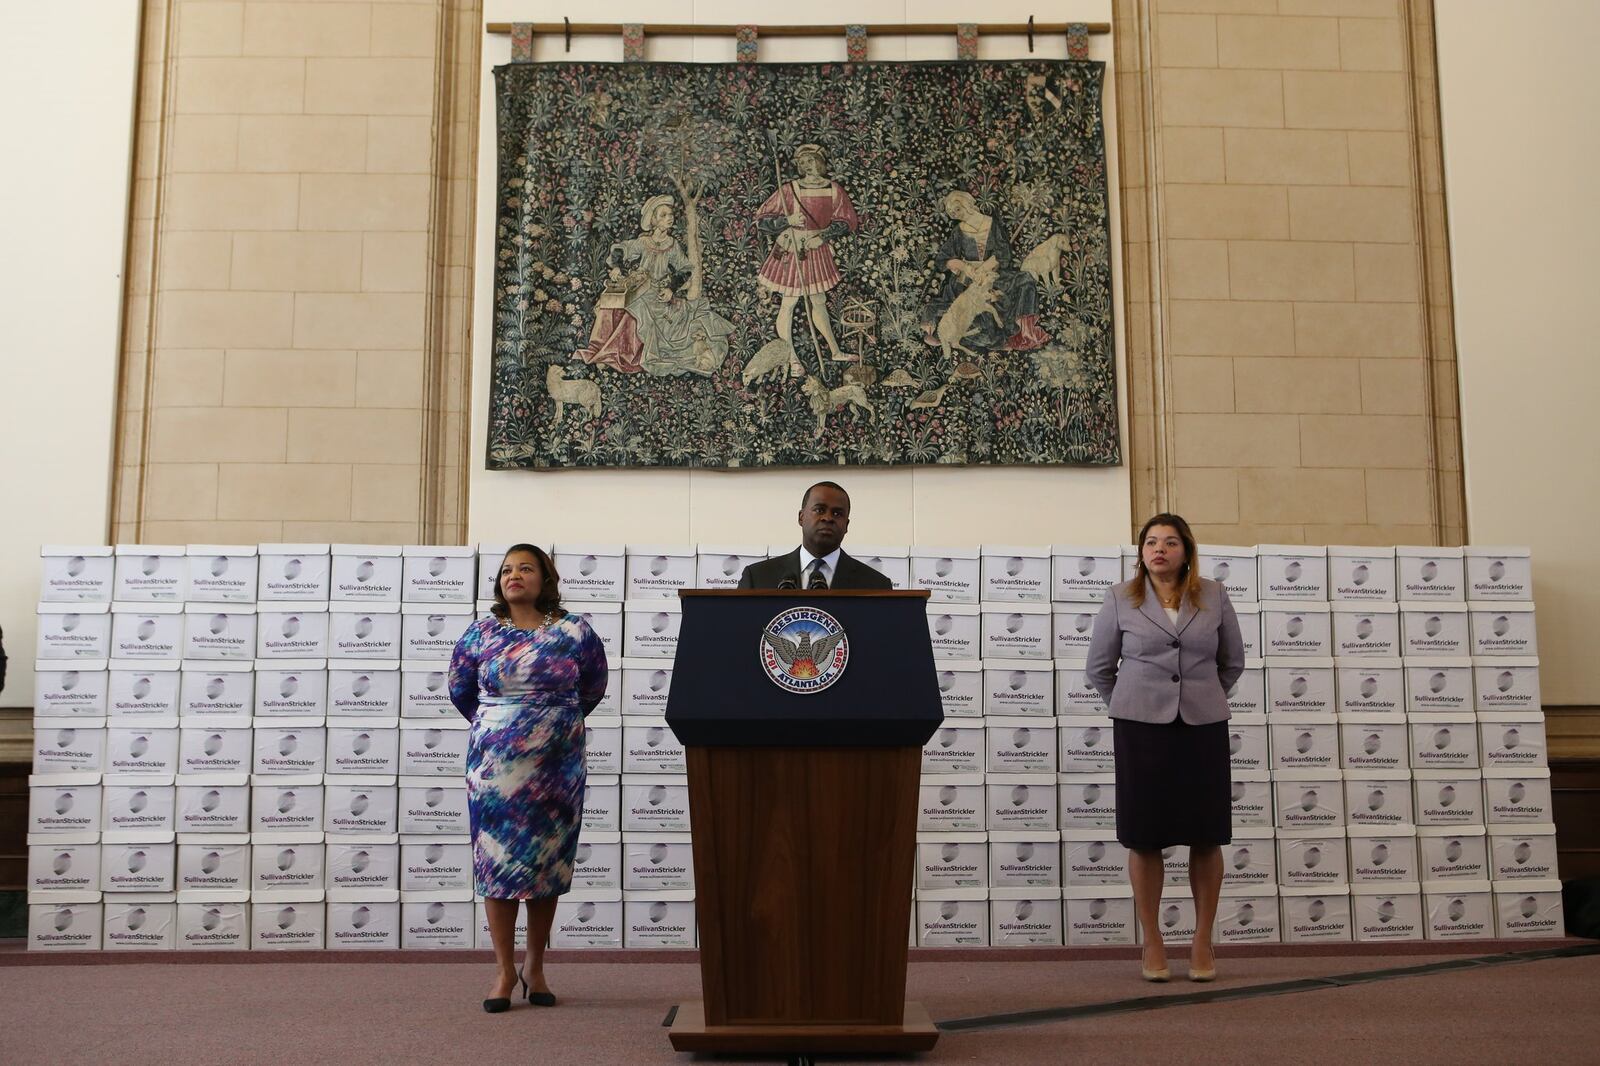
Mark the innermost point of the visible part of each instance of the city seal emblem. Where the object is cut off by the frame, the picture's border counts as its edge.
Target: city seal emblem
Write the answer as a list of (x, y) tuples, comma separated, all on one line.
[(804, 650)]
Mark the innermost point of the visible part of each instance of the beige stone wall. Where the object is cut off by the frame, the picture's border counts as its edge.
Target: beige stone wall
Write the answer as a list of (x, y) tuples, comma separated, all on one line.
[(1291, 365), (283, 277)]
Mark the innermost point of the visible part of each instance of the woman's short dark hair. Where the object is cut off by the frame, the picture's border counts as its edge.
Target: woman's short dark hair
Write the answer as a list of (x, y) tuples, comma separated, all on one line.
[(549, 601), (1188, 577)]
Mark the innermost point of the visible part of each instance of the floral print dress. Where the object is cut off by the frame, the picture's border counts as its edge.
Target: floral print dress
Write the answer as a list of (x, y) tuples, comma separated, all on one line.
[(526, 693)]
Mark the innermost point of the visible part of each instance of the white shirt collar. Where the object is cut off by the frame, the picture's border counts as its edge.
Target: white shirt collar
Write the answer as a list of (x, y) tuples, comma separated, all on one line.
[(830, 561)]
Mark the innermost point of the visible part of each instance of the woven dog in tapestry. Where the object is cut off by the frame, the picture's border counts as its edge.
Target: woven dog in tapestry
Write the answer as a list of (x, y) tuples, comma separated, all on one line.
[(757, 265)]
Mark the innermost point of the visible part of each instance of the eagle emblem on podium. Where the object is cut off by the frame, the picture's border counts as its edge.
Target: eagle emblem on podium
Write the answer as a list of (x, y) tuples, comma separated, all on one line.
[(804, 650)]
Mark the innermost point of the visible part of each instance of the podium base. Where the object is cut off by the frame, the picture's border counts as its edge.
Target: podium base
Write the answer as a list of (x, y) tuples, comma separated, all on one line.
[(689, 1032)]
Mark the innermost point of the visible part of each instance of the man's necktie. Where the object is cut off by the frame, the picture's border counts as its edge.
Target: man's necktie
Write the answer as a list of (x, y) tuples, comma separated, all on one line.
[(816, 580)]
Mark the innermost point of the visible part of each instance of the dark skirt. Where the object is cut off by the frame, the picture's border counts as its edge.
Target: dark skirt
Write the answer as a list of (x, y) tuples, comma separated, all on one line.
[(1174, 784)]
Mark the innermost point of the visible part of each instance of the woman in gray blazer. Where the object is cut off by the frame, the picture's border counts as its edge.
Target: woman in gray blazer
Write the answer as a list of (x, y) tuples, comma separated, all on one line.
[(1164, 653)]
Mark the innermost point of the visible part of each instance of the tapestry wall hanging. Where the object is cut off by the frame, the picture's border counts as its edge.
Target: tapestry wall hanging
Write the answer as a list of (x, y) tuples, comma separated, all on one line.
[(758, 265)]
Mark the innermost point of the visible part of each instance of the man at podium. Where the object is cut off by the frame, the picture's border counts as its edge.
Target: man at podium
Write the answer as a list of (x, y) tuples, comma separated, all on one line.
[(819, 562)]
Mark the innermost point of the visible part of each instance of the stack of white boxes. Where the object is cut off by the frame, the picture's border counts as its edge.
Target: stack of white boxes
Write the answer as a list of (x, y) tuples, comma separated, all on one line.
[(1390, 767)]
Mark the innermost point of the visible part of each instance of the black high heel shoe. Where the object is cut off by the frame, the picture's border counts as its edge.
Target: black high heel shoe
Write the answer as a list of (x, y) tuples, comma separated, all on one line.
[(538, 999), (501, 1004)]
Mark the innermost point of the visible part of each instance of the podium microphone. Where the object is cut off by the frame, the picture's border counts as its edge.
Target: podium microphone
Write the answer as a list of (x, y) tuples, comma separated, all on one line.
[(789, 583)]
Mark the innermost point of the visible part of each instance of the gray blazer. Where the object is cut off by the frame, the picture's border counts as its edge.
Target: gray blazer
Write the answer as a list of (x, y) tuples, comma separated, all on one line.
[(1166, 670)]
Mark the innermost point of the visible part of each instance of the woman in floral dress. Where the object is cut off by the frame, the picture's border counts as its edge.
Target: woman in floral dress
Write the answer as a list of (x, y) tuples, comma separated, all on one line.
[(525, 678)]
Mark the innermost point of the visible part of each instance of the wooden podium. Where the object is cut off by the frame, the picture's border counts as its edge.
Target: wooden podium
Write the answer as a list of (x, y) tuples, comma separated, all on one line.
[(804, 811)]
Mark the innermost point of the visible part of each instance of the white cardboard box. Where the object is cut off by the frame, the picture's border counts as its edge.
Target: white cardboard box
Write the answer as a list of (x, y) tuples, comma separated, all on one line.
[(1444, 741), (591, 572), (1309, 799), (960, 687), (1175, 864), (1461, 910), (1232, 566), (1248, 915), (360, 805), (146, 631), (1072, 626), (285, 862), (1433, 629), (955, 630), (1024, 803), (438, 574), (437, 924), (217, 745), (64, 926), (429, 632), (955, 749), (288, 925), (1092, 857), (1378, 799), (1303, 741), (75, 573), (1251, 791), (1098, 915), (658, 920), (1292, 572), (949, 574), (650, 628), (1176, 917), (1503, 629), (1361, 574), (606, 621), (438, 749), (1313, 857), (362, 746), (429, 805), (1438, 686), (587, 923), (1300, 686), (364, 687), (70, 690), (952, 860), (1430, 574), (658, 571), (1509, 684), (365, 573), (1247, 743), (1498, 573), (363, 925), (1522, 853), (1022, 917), (362, 867), (1375, 743), (1529, 909), (425, 691), (1085, 745), (1088, 800), (655, 803), (1296, 630), (892, 562), (951, 803), (139, 803), (296, 631), (1386, 911), (63, 863), (1249, 693), (222, 573), (1509, 740), (646, 686), (720, 566), (291, 688), (1366, 629), (213, 866), (1315, 914), (1449, 797), (213, 803), (141, 921), (953, 918), (1250, 859), (1249, 616), (289, 746), (286, 803), (650, 747), (151, 573), (73, 631), (1015, 630), (1075, 693), (216, 925), (1369, 686), (68, 745), (602, 745), (602, 804), (137, 861), (216, 689), (1518, 796), (1383, 855), (293, 572), (1025, 860), (597, 864), (147, 747), (436, 864), (64, 803), (1019, 687), (363, 631), (1015, 573), (1084, 573)]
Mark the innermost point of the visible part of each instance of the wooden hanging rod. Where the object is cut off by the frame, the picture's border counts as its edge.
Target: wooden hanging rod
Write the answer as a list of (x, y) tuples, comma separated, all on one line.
[(885, 29)]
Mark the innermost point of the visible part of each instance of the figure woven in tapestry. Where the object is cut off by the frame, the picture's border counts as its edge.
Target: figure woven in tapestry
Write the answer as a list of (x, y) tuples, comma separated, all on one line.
[(753, 265)]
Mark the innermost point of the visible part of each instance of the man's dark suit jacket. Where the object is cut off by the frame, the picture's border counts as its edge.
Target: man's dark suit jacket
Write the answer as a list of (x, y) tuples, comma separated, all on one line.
[(851, 574)]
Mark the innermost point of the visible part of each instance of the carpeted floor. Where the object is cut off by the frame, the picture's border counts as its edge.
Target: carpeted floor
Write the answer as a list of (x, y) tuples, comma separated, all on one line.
[(426, 1012)]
